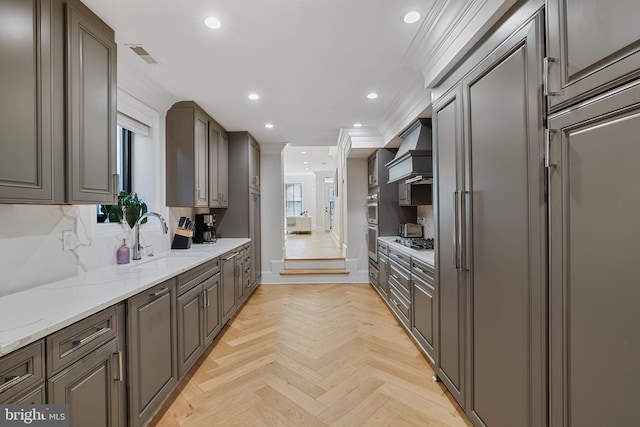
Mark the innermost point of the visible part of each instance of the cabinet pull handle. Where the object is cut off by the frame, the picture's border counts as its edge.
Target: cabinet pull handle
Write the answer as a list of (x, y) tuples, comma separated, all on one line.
[(93, 336), (466, 211), (456, 260), (120, 378), (160, 292), (230, 257), (12, 381)]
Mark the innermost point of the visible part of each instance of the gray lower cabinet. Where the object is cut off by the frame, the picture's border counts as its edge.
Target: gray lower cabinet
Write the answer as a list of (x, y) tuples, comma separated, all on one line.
[(594, 293), (423, 319), (58, 121), (592, 48), (94, 388), (85, 369), (399, 286), (22, 374), (491, 343), (212, 320), (152, 350), (190, 308), (228, 285)]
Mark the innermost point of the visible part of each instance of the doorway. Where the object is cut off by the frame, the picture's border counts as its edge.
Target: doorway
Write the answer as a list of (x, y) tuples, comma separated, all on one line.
[(309, 198)]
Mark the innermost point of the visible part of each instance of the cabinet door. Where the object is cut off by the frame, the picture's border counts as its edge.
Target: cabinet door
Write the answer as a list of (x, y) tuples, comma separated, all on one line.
[(215, 194), (228, 293), (190, 332), (27, 103), (91, 108), (594, 293), (93, 388), (423, 312), (595, 46), (504, 212), (212, 318), (240, 288), (151, 338), (254, 164), (201, 151), (254, 234), (450, 337), (223, 169)]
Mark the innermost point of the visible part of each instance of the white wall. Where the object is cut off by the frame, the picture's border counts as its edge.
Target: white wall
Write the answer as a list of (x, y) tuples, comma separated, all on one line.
[(272, 210), (357, 215)]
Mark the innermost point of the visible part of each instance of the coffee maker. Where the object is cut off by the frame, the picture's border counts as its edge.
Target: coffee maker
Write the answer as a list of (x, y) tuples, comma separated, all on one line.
[(205, 231)]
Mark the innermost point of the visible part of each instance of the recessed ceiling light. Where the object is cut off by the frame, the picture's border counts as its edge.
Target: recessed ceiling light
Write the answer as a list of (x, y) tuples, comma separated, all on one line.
[(212, 22), (411, 17), (357, 125), (372, 95), (254, 96), (268, 125), (306, 169), (306, 163), (303, 152)]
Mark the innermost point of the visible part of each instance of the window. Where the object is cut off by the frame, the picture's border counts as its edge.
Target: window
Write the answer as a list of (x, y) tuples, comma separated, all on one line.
[(293, 199), (125, 158)]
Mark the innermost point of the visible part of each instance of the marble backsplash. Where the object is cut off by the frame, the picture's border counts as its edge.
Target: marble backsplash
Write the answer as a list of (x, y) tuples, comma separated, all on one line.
[(31, 242)]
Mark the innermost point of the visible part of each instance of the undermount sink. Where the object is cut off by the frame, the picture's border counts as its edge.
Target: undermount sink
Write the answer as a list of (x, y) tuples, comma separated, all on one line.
[(164, 262)]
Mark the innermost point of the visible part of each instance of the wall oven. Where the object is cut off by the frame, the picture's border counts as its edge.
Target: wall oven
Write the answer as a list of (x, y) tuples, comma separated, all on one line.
[(372, 241), (372, 208)]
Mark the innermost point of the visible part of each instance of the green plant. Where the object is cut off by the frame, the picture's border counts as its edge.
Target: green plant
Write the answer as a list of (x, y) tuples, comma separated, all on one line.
[(130, 208)]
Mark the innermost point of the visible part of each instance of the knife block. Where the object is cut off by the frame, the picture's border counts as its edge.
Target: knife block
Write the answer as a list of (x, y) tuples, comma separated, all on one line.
[(182, 239)]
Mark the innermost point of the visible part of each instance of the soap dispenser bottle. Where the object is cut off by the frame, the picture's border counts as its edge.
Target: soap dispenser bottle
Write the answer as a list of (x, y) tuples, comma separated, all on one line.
[(122, 254)]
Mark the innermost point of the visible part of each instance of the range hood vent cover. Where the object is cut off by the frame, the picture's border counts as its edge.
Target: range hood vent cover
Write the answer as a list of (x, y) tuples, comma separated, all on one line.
[(414, 157)]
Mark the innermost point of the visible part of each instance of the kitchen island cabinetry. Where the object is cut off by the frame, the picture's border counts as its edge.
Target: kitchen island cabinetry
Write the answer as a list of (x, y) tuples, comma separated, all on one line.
[(591, 48), (22, 375), (59, 122), (152, 348), (85, 369)]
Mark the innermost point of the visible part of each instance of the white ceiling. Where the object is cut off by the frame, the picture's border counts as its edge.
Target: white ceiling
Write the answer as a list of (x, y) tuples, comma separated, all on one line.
[(309, 159), (312, 61)]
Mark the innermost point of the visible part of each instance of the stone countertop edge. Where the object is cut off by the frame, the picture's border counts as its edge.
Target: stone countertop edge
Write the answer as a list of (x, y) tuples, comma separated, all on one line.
[(424, 255), (32, 314)]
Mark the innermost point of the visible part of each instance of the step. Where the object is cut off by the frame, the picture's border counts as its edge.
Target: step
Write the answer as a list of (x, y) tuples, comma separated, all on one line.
[(314, 263), (312, 271)]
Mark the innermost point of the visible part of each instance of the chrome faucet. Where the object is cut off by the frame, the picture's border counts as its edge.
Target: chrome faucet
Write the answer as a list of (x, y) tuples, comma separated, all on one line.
[(137, 247)]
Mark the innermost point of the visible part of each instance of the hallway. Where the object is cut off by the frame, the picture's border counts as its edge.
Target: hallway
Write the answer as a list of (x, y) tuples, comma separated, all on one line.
[(312, 355)]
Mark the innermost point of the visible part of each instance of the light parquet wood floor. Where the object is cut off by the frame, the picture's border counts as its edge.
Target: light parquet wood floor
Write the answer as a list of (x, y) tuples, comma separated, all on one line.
[(318, 244), (312, 355)]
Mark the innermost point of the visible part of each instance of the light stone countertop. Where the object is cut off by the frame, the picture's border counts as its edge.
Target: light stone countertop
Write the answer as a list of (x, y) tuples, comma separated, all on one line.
[(425, 255), (32, 314)]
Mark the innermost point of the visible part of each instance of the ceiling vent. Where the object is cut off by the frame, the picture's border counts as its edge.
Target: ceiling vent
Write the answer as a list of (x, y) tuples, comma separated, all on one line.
[(142, 53)]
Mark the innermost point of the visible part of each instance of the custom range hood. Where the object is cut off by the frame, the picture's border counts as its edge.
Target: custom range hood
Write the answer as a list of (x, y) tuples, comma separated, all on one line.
[(413, 162)]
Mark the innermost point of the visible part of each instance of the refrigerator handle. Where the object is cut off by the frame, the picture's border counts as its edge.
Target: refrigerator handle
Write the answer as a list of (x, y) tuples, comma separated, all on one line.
[(456, 257), (465, 200)]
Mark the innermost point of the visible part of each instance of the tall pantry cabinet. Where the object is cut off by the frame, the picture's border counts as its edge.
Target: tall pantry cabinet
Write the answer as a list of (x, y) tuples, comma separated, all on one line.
[(242, 218), (594, 199), (490, 262)]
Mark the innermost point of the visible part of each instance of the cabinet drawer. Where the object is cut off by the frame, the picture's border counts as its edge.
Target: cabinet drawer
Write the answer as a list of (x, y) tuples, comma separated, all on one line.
[(21, 370), (401, 276), (197, 275), (75, 341), (373, 274), (383, 248), (400, 306), (399, 257), (422, 270)]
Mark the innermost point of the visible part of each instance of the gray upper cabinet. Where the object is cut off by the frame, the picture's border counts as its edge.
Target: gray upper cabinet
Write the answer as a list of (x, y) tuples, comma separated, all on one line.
[(152, 350), (58, 143), (91, 103), (594, 293), (254, 163), (28, 104), (218, 166), (490, 186), (187, 162), (372, 170), (593, 46)]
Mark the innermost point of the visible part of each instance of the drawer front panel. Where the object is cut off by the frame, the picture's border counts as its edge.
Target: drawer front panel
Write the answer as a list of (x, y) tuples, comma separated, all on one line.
[(423, 271), (21, 370), (399, 257), (197, 275), (400, 306), (73, 342), (400, 276)]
